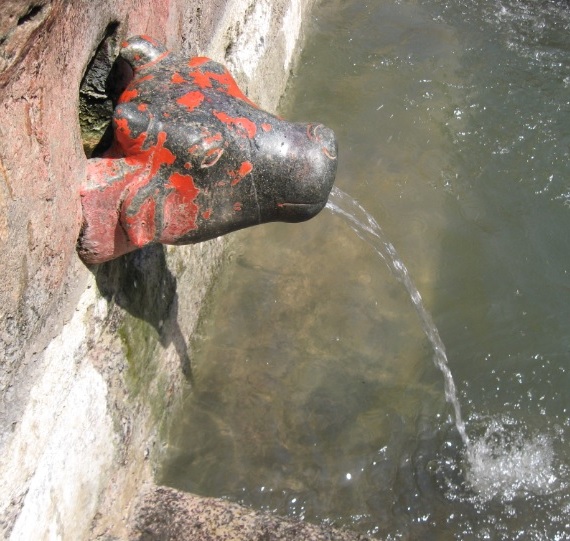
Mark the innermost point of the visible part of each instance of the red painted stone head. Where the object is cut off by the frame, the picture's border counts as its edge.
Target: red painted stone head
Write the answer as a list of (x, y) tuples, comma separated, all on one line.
[(193, 158)]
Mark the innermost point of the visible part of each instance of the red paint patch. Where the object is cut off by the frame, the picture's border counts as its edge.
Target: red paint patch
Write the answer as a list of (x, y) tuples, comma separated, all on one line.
[(183, 184), (237, 206), (217, 137), (266, 127), (180, 211), (160, 155), (142, 107), (128, 95), (150, 39), (141, 227), (245, 168), (139, 218), (198, 61), (187, 165), (206, 214), (142, 79), (107, 182), (128, 144), (244, 126), (177, 78), (200, 79), (191, 100), (229, 86), (236, 176), (153, 157)]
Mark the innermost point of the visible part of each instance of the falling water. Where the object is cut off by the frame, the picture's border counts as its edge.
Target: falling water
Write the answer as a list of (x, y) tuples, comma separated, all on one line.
[(366, 227)]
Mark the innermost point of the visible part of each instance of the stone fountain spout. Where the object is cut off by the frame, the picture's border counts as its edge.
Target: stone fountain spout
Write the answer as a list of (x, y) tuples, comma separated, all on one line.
[(193, 158)]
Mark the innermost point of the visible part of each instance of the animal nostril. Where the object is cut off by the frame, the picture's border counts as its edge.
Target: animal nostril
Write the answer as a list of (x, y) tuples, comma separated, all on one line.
[(325, 136), (328, 141)]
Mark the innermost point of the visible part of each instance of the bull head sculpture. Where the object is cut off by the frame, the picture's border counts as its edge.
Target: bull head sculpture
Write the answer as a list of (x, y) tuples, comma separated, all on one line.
[(193, 158)]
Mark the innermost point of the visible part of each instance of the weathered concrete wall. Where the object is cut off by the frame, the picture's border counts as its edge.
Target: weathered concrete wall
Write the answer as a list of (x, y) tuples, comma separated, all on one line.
[(92, 359)]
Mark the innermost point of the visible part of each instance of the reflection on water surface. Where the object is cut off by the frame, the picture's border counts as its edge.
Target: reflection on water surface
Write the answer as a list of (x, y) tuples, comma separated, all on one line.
[(315, 393)]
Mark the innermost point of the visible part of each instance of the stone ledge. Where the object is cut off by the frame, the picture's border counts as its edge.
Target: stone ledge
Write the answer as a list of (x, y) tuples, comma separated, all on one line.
[(169, 515)]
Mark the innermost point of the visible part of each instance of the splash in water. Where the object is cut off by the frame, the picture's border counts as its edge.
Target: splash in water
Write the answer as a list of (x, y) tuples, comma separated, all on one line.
[(505, 463), (366, 227), (502, 462)]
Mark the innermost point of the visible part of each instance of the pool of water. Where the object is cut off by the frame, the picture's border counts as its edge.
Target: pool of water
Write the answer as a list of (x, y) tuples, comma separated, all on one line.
[(315, 393)]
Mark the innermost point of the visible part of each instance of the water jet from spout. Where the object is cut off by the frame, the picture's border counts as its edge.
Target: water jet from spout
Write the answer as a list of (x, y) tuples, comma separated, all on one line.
[(366, 227)]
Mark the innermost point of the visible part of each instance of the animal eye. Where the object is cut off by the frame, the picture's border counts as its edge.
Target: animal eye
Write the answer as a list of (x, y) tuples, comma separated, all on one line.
[(211, 157), (312, 131)]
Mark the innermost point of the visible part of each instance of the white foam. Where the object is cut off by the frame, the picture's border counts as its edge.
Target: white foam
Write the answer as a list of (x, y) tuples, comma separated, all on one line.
[(505, 464)]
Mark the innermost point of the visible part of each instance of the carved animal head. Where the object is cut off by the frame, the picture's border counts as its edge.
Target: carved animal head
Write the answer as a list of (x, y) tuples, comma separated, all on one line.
[(193, 158)]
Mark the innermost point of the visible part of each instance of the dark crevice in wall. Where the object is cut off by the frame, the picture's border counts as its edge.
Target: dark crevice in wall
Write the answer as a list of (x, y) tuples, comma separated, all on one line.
[(105, 78), (32, 12), (20, 23)]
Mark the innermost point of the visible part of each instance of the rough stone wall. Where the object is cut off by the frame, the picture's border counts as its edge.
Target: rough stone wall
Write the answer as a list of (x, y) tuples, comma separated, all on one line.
[(93, 359)]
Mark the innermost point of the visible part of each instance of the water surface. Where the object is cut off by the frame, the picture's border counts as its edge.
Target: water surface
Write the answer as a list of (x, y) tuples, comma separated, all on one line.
[(315, 392)]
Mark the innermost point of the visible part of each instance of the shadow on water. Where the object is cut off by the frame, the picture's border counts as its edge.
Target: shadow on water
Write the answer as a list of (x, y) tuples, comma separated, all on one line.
[(141, 283)]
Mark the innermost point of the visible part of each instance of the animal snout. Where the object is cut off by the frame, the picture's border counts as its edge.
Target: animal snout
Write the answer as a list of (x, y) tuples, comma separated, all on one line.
[(306, 172)]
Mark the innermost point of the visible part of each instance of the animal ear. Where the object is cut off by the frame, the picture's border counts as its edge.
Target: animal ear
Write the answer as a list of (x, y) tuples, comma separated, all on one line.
[(141, 50)]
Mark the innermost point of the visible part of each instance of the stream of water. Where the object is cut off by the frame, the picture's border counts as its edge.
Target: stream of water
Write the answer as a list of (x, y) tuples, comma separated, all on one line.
[(315, 393), (367, 229)]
